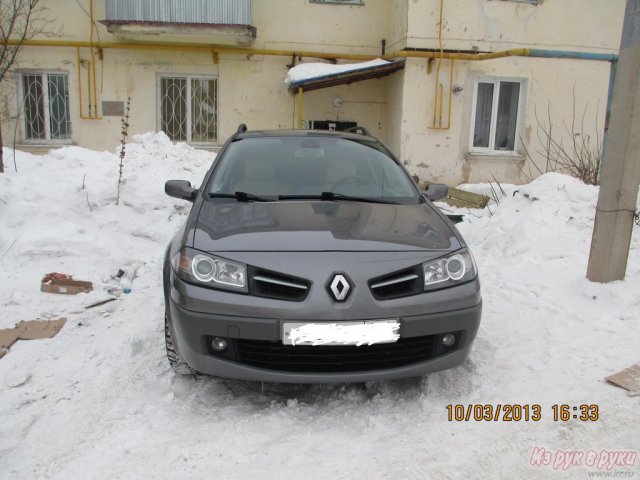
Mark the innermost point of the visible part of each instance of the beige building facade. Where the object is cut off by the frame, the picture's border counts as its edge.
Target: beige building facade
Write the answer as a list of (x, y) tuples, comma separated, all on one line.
[(196, 69)]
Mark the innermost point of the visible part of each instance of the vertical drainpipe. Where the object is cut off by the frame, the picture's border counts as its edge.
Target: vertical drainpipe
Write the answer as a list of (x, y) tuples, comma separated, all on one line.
[(612, 79), (92, 98), (299, 107)]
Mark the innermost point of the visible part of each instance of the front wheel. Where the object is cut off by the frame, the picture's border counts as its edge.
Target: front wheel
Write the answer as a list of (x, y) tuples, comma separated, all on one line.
[(178, 364)]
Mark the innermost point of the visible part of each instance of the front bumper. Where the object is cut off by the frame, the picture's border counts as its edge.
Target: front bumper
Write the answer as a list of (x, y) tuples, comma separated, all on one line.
[(192, 330)]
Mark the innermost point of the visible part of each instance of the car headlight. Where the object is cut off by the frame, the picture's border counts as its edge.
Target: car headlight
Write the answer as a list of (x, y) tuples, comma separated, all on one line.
[(450, 270), (209, 270)]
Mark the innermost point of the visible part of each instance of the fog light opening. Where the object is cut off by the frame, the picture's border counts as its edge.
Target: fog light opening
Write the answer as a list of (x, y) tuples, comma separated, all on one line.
[(218, 344), (448, 340)]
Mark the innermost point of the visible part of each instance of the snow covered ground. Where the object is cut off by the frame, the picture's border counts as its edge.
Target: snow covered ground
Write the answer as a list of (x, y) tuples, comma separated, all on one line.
[(99, 399)]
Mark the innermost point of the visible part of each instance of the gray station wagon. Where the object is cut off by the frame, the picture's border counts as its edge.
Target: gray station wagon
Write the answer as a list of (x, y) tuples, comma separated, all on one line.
[(312, 257)]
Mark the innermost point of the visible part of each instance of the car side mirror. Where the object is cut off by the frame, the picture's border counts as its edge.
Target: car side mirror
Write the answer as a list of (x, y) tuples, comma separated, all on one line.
[(180, 189), (436, 191)]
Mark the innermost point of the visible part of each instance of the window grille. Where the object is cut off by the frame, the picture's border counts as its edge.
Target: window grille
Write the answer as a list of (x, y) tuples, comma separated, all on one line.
[(189, 108), (46, 106)]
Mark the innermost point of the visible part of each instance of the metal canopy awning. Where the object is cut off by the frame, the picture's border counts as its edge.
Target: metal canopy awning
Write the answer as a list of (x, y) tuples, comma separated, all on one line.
[(342, 78)]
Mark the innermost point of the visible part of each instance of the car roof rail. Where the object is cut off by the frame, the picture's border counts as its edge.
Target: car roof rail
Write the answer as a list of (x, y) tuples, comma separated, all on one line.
[(358, 129), (241, 129)]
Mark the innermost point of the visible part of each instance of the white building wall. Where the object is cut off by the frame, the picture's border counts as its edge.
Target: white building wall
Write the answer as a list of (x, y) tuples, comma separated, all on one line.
[(398, 109), (443, 155), (395, 123), (491, 25)]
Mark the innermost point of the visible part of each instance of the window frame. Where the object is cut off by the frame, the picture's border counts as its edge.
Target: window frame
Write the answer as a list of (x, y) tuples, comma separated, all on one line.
[(22, 118), (490, 150), (357, 3), (529, 2), (188, 77)]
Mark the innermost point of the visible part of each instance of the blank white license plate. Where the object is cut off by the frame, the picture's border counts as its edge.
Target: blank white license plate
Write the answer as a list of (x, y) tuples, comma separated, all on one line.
[(367, 332)]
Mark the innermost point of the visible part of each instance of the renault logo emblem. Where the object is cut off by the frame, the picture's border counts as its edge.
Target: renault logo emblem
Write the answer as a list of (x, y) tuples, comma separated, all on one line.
[(340, 287)]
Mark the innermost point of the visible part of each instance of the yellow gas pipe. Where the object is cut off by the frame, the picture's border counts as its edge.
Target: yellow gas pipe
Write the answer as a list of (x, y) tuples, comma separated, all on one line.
[(79, 62), (190, 47), (450, 94), (93, 66), (206, 48), (300, 107), (441, 55), (514, 52), (438, 86), (438, 96)]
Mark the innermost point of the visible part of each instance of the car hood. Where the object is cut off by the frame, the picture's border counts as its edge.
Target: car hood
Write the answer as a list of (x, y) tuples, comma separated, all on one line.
[(320, 226)]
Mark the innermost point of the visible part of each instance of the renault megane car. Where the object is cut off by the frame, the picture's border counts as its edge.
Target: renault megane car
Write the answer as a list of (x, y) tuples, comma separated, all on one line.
[(313, 257)]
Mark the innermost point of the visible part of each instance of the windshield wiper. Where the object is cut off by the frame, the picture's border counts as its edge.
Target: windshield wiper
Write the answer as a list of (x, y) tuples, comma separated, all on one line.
[(241, 197), (330, 196)]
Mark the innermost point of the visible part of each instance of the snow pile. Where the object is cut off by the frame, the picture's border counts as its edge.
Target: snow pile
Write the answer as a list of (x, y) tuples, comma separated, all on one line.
[(99, 399), (305, 71), (58, 213), (532, 250)]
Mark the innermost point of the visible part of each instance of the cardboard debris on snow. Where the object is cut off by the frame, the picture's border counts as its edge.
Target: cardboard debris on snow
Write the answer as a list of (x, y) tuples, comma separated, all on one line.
[(66, 286), (629, 378), (29, 330)]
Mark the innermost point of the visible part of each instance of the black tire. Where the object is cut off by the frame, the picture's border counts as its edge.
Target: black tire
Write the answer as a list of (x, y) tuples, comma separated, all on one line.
[(178, 364)]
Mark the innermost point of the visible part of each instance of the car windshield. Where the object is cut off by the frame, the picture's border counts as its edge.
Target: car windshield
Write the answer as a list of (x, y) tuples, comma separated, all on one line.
[(290, 167)]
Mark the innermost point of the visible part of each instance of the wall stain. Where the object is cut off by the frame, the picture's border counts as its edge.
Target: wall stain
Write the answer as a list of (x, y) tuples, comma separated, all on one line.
[(466, 171)]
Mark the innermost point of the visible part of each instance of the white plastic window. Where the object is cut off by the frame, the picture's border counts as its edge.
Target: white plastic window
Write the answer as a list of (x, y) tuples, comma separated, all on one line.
[(497, 106)]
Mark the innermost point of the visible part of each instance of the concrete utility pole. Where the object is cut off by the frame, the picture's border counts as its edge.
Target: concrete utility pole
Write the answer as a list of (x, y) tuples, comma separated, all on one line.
[(621, 163)]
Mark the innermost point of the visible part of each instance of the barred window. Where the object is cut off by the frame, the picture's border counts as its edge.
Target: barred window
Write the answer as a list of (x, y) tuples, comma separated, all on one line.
[(189, 108), (46, 106)]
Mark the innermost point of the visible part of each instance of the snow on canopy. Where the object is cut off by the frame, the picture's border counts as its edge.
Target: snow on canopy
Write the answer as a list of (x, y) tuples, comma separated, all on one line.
[(306, 71)]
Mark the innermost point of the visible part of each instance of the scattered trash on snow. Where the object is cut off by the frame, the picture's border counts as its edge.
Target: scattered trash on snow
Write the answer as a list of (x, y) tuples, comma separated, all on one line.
[(29, 330), (100, 302), (125, 285), (629, 379), (64, 284)]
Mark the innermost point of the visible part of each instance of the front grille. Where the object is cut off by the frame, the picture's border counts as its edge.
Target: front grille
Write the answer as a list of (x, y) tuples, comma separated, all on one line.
[(264, 283), (339, 358), (398, 284)]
